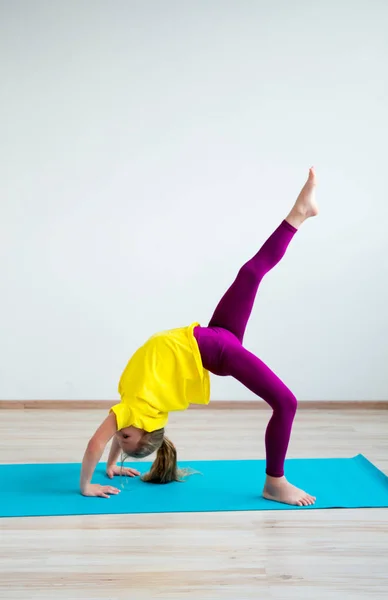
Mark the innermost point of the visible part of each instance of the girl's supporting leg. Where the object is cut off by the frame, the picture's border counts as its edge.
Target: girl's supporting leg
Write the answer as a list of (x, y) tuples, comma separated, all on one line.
[(249, 370), (222, 354)]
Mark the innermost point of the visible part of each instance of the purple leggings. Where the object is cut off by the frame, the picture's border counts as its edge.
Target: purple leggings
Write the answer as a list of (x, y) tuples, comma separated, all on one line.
[(222, 352)]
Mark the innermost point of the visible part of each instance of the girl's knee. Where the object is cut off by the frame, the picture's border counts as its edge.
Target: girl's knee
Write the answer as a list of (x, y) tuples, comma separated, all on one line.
[(292, 402), (251, 273), (286, 402)]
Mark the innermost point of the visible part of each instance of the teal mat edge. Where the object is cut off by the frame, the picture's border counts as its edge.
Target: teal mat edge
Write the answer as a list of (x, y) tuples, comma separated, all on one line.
[(367, 463)]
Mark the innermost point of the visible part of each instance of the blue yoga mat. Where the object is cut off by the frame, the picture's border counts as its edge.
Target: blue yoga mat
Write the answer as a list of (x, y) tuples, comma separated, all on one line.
[(52, 489)]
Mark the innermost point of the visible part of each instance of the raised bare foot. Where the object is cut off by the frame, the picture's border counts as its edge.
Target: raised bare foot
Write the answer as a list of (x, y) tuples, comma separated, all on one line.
[(279, 490), (305, 205)]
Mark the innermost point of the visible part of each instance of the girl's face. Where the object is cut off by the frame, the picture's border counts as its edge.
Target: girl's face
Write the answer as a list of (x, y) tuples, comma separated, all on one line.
[(129, 439)]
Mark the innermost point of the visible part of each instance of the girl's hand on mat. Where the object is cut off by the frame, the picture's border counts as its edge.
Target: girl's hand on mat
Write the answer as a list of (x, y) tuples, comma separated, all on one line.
[(102, 491), (113, 470)]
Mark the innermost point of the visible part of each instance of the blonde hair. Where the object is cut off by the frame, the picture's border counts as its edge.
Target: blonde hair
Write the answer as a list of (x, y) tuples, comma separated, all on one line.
[(165, 466)]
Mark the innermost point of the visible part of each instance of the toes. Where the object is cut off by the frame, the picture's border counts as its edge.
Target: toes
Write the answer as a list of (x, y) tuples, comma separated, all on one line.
[(305, 501), (310, 500)]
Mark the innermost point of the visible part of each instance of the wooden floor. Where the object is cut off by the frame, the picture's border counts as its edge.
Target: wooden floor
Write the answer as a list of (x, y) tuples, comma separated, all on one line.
[(316, 555)]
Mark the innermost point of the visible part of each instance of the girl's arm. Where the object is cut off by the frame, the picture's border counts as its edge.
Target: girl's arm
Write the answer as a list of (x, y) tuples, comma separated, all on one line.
[(93, 453), (114, 453)]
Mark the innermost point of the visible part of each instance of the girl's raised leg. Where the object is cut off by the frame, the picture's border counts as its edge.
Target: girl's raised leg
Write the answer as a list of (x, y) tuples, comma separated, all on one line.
[(235, 307)]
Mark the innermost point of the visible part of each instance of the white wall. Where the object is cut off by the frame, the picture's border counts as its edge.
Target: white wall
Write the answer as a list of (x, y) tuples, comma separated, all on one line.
[(149, 148)]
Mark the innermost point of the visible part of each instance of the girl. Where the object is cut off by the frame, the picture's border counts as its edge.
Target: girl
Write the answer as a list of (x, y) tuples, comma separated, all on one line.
[(171, 371)]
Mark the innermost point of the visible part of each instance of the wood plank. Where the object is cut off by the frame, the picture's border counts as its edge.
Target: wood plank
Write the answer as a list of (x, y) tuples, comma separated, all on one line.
[(215, 404)]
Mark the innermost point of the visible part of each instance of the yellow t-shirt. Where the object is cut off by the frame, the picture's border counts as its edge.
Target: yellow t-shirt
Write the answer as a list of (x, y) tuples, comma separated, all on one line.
[(165, 374)]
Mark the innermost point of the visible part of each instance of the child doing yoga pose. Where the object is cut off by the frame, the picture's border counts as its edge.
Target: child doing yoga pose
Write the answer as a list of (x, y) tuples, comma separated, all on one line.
[(171, 371)]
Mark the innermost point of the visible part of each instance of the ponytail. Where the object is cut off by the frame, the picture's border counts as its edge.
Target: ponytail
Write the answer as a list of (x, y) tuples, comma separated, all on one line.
[(164, 468)]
